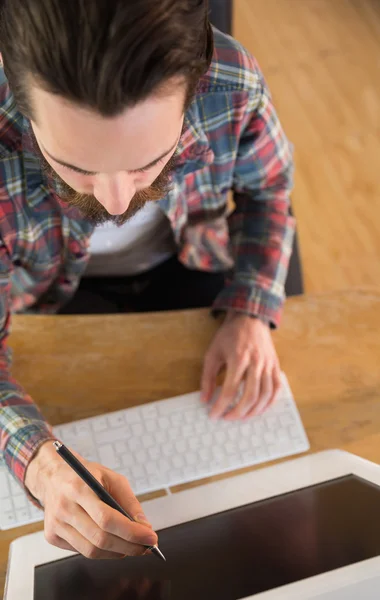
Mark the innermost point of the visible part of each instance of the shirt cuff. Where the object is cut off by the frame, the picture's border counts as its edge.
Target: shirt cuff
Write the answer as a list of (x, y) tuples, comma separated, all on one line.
[(21, 448), (252, 301)]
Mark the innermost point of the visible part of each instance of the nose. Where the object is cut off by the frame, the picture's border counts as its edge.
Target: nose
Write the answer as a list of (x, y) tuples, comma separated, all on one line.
[(115, 192)]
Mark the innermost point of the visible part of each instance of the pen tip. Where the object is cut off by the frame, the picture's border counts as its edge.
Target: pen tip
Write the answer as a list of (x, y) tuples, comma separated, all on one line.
[(158, 553)]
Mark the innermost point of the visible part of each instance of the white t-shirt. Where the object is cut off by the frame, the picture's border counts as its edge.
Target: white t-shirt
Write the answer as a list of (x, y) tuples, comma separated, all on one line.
[(145, 241)]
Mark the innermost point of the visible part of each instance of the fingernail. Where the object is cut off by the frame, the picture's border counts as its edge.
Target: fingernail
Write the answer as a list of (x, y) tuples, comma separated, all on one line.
[(149, 540), (141, 518)]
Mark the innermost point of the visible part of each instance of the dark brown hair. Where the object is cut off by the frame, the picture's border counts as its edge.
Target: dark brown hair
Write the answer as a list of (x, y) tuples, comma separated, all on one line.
[(105, 55)]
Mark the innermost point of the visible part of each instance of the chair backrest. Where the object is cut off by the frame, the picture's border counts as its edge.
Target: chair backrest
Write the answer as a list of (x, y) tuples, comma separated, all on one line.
[(221, 15)]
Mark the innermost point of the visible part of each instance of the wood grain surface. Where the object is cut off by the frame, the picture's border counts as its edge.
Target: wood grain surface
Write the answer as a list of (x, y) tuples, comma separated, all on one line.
[(329, 346)]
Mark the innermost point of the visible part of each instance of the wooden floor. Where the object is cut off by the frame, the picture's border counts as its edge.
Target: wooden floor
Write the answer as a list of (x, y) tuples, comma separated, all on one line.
[(321, 59)]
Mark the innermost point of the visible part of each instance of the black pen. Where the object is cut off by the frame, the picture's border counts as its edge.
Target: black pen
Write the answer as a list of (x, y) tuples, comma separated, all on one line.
[(96, 487)]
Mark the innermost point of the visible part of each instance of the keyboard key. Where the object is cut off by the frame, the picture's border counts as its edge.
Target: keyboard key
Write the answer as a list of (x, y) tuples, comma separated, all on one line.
[(134, 444), (116, 420), (8, 518), (160, 437), (189, 417), (286, 420), (178, 461), (220, 437), (200, 427), (137, 429), (6, 505), (120, 447), (155, 482), (150, 426), (151, 468), (83, 427), (191, 458), (163, 423), (233, 433), (132, 416), (154, 453), (194, 443), (168, 450), (22, 515), (269, 438), (246, 429), (164, 466), (3, 483), (187, 431), (271, 422), (149, 411), (174, 434), (148, 441), (231, 448), (207, 439), (19, 501), (99, 424), (244, 444), (137, 471), (15, 487), (108, 457), (180, 446), (127, 460), (205, 454), (176, 420), (141, 457), (141, 485)]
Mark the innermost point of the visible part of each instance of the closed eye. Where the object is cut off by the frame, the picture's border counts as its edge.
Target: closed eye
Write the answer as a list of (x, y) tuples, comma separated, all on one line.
[(149, 167)]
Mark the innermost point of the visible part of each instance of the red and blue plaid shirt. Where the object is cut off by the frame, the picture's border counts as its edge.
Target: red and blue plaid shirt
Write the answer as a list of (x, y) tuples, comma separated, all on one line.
[(232, 140)]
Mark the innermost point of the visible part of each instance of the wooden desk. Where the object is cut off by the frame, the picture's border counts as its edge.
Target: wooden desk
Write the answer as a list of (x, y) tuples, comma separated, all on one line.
[(329, 346)]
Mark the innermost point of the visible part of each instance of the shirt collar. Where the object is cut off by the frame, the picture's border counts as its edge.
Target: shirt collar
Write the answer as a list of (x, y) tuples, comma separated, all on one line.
[(194, 145)]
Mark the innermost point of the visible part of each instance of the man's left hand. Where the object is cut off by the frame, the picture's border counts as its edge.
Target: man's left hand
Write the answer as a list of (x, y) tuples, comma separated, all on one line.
[(244, 346)]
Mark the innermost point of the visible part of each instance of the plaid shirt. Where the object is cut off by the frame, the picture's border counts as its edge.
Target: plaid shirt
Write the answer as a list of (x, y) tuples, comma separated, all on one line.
[(232, 140)]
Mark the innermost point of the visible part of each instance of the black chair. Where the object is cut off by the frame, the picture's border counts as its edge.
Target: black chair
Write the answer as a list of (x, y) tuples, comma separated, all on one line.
[(221, 15)]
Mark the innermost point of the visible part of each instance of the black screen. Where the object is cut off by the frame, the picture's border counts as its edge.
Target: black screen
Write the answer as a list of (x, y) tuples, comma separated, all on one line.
[(236, 553)]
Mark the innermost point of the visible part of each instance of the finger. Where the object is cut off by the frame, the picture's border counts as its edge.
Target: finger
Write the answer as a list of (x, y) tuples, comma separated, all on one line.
[(250, 395), (234, 376), (266, 395), (210, 372), (277, 384), (112, 521), (80, 520), (61, 543), (81, 544)]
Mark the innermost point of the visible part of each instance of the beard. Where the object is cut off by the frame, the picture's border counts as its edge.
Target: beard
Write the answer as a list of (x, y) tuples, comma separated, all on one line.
[(90, 208)]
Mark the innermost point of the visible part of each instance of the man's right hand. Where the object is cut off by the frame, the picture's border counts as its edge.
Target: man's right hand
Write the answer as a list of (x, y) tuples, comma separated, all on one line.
[(75, 519)]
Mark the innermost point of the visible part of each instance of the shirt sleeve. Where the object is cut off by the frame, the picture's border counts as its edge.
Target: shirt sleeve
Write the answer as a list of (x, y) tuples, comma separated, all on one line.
[(22, 427), (261, 227)]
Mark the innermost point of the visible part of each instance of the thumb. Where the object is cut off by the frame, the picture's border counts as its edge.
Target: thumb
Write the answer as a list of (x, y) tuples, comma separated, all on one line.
[(211, 368)]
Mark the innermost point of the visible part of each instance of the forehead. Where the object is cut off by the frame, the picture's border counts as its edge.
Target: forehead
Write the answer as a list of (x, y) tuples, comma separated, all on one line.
[(90, 141)]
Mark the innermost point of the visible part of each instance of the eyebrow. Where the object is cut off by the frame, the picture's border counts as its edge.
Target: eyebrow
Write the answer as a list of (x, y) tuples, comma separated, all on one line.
[(84, 172)]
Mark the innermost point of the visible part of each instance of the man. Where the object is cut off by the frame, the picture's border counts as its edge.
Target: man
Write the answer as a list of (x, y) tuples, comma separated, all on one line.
[(139, 117)]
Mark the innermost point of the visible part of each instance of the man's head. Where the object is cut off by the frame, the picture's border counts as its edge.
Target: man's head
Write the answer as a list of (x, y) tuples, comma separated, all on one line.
[(105, 85)]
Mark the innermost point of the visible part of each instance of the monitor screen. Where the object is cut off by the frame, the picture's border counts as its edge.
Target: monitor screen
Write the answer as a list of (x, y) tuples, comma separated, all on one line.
[(237, 553)]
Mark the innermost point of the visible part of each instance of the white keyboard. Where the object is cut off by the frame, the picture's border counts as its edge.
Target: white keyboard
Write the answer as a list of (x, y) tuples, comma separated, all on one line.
[(165, 443)]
